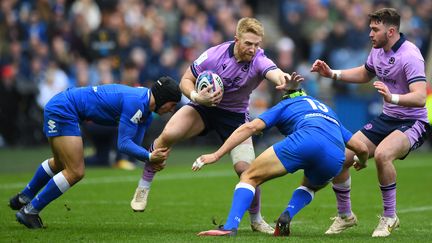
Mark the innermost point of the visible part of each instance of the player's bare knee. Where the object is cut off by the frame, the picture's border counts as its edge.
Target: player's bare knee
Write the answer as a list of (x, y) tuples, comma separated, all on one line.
[(166, 139), (381, 157), (241, 167)]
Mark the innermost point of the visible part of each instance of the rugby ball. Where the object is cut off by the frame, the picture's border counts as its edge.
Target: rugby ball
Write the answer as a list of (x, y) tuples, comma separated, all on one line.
[(208, 78)]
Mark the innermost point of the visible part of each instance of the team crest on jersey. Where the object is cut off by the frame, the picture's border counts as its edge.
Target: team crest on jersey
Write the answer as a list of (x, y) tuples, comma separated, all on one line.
[(245, 67), (224, 66), (391, 60), (137, 117)]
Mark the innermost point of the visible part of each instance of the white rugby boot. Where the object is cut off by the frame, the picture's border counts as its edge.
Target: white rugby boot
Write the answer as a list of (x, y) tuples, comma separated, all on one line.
[(341, 223), (139, 200), (385, 226)]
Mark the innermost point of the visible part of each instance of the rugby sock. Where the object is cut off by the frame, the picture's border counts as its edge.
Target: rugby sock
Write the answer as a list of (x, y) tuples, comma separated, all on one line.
[(144, 184), (55, 188), (301, 197), (242, 199), (40, 179), (148, 172), (343, 198), (389, 200), (256, 202)]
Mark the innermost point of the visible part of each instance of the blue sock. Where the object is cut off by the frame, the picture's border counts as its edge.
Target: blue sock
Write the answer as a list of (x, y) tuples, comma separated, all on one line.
[(54, 189), (40, 179), (301, 197), (242, 199)]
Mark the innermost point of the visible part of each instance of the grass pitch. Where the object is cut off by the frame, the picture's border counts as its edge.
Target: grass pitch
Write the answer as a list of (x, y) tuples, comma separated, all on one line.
[(182, 203)]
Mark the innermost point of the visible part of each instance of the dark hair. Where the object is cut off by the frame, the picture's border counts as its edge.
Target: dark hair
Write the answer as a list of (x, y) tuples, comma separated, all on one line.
[(386, 16), (165, 89)]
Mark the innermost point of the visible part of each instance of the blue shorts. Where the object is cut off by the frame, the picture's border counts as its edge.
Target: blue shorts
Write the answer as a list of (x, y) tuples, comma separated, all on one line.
[(307, 149), (222, 121), (380, 127), (60, 117)]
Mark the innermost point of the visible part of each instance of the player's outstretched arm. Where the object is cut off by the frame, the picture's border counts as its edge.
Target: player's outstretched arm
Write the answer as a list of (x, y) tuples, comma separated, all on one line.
[(284, 81), (354, 75), (237, 137)]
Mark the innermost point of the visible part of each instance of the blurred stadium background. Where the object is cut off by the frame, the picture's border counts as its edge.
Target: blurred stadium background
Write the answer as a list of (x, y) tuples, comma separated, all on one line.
[(49, 45)]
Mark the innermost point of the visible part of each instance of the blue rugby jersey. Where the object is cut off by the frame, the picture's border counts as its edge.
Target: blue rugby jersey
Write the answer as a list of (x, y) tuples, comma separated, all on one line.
[(115, 104), (304, 112)]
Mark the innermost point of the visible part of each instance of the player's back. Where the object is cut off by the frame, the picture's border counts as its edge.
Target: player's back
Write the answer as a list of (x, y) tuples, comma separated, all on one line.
[(304, 112), (103, 104)]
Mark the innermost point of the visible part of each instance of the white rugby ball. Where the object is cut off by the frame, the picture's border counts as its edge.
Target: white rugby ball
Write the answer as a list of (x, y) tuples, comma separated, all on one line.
[(208, 78)]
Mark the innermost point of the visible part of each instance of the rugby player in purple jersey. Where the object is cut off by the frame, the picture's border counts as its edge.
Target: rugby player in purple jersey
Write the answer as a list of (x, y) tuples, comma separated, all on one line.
[(401, 128), (242, 65)]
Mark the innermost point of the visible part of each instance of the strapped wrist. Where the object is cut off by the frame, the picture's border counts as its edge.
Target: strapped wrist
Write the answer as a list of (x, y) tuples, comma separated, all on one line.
[(193, 95), (336, 74), (394, 99)]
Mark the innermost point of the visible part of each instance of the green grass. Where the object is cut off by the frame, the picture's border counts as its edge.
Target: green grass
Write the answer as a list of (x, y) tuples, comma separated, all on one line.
[(183, 203)]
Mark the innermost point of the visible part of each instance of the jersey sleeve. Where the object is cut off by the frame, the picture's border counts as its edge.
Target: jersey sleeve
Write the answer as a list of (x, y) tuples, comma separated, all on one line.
[(346, 134), (131, 130), (414, 69), (271, 116), (204, 61), (263, 64), (369, 65)]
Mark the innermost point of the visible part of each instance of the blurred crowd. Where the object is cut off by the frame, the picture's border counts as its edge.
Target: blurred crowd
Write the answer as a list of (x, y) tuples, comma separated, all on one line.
[(47, 46)]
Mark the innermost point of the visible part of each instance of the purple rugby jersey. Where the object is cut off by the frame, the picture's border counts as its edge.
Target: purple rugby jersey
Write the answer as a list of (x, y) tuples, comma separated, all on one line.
[(239, 78), (398, 68)]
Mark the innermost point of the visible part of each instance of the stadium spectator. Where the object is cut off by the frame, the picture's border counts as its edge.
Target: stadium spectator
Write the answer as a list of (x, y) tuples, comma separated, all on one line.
[(315, 142), (129, 108), (403, 124), (46, 29), (242, 66)]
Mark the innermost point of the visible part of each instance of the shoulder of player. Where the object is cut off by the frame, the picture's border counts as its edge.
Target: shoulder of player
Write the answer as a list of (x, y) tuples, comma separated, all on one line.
[(221, 48)]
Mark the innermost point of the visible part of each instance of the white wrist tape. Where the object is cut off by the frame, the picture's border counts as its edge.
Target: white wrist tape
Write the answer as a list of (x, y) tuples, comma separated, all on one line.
[(193, 95), (356, 159), (394, 99), (336, 74), (150, 156)]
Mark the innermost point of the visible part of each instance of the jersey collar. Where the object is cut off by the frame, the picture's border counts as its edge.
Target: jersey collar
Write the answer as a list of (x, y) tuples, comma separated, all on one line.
[(398, 43)]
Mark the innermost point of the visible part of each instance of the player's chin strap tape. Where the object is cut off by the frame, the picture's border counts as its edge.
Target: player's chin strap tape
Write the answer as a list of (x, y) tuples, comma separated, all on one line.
[(294, 93)]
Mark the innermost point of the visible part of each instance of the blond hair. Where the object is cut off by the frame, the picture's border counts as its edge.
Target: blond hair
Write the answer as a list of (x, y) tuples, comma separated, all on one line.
[(249, 25)]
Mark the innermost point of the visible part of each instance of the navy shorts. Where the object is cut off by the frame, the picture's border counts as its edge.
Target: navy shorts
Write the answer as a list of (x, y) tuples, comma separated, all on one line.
[(380, 127), (60, 117), (222, 121), (320, 157)]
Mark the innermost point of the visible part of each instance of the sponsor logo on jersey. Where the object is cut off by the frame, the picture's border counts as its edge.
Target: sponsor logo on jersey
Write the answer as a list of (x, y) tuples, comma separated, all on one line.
[(52, 126), (201, 58), (137, 117)]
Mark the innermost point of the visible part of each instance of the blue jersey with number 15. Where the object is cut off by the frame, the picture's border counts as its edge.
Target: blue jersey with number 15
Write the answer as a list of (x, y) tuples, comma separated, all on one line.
[(304, 112)]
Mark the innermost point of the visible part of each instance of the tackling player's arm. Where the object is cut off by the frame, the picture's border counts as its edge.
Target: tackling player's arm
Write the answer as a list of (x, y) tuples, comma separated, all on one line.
[(358, 147), (237, 137)]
